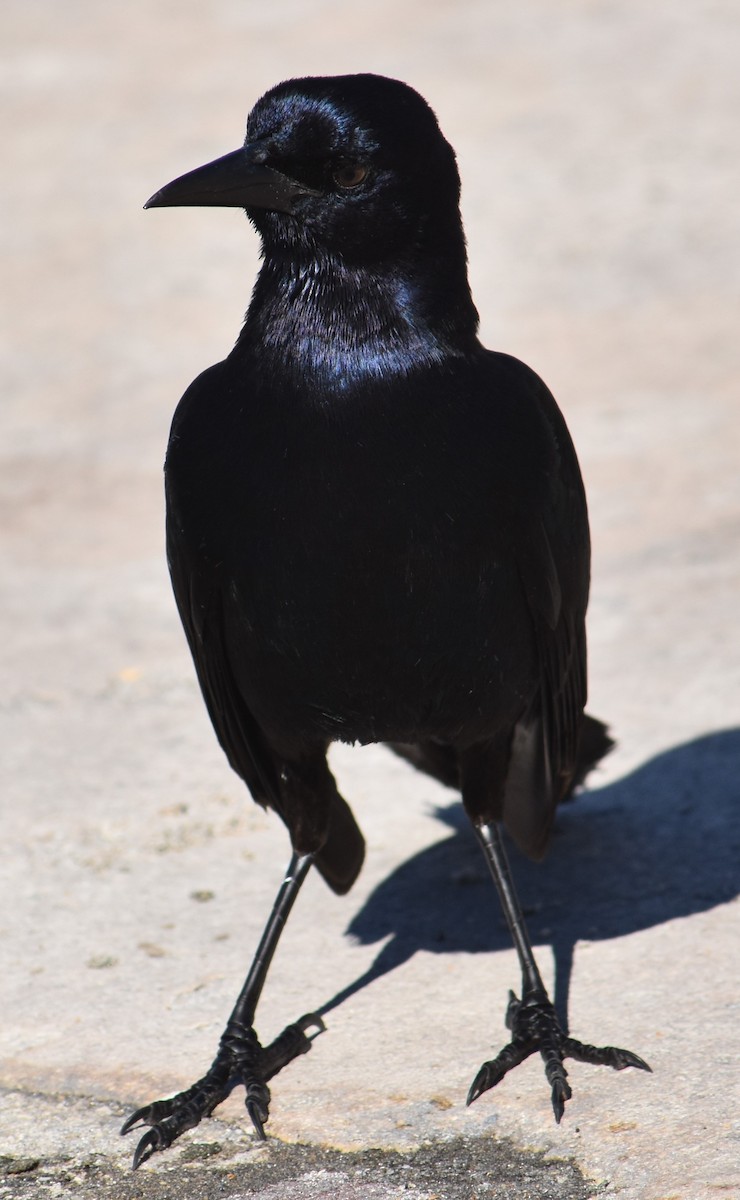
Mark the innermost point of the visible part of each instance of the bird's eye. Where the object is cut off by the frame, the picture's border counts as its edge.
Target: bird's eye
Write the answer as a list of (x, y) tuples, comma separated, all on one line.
[(350, 176)]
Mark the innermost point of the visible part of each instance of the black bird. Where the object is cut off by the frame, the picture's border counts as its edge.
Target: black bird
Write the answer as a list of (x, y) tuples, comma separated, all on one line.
[(376, 532)]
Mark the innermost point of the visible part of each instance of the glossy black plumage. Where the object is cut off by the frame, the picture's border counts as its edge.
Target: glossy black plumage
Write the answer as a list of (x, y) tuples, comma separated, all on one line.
[(376, 528)]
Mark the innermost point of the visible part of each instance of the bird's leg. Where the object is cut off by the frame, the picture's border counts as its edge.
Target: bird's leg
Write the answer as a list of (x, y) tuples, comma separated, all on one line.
[(532, 1020), (240, 1056)]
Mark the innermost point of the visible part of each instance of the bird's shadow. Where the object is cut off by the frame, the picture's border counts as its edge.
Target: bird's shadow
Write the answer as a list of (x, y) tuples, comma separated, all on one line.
[(661, 843)]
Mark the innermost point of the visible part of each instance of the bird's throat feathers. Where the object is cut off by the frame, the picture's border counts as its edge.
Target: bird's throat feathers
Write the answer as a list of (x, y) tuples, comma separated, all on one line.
[(318, 318)]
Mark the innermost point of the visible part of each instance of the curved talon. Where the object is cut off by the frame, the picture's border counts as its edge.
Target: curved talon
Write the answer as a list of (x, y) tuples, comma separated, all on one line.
[(149, 1114), (256, 1116), (512, 1008), (561, 1091), (134, 1119), (240, 1058), (603, 1056), (257, 1099), (258, 1095), (149, 1144), (290, 1044), (492, 1072), (170, 1118), (308, 1021), (632, 1060), (553, 1053), (482, 1083), (535, 1027)]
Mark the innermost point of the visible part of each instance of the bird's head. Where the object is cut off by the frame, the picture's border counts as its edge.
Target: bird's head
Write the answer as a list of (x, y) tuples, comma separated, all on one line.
[(354, 165)]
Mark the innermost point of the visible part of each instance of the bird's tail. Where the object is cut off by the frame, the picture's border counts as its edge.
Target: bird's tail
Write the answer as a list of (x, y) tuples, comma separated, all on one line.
[(529, 798), (434, 758), (340, 859), (594, 744)]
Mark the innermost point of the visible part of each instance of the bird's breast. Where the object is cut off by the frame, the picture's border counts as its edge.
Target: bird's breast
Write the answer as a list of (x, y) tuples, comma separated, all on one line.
[(364, 575)]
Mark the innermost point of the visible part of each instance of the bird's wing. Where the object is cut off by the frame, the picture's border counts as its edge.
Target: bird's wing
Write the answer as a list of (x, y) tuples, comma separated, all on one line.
[(340, 856), (553, 560), (561, 645), (200, 605), (191, 482)]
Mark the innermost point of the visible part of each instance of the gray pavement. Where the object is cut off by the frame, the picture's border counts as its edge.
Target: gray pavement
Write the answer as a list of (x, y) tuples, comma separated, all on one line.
[(600, 184)]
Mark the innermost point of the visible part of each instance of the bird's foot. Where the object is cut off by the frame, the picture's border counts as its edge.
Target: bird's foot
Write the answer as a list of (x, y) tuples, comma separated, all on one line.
[(535, 1026), (240, 1060)]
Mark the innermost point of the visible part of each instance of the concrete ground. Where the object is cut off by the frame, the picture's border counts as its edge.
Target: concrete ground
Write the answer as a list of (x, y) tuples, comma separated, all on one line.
[(600, 191)]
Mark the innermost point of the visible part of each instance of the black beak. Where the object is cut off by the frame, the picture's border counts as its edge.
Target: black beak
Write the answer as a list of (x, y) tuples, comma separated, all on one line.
[(234, 181)]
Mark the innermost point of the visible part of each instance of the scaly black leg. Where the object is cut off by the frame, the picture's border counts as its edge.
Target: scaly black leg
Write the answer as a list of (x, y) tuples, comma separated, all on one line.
[(532, 1020), (240, 1056)]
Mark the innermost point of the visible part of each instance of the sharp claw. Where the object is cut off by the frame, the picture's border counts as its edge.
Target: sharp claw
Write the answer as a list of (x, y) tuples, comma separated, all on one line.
[(535, 1026), (493, 1071), (257, 1115), (311, 1019), (132, 1120), (561, 1092), (144, 1116), (477, 1087), (633, 1060), (148, 1145), (240, 1055), (292, 1042), (489, 1075), (512, 1009), (604, 1056), (150, 1114)]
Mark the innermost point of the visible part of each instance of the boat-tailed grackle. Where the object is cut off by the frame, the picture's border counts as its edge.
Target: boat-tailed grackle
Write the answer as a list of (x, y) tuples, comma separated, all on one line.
[(376, 532)]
